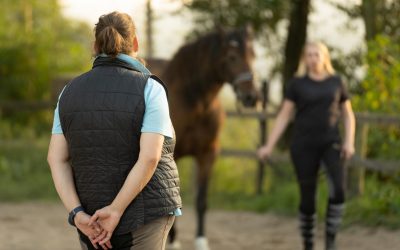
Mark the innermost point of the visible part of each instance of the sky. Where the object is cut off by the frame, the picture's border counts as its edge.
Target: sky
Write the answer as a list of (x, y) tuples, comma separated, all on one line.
[(168, 29), (325, 23)]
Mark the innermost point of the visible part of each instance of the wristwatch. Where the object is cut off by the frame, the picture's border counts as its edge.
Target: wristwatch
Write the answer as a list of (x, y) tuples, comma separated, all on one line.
[(72, 214)]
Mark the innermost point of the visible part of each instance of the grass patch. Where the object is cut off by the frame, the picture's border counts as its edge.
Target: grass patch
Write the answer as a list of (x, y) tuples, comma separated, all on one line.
[(25, 175), (232, 187)]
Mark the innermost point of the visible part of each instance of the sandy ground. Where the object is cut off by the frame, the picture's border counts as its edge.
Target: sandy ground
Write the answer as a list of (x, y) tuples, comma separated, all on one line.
[(28, 226)]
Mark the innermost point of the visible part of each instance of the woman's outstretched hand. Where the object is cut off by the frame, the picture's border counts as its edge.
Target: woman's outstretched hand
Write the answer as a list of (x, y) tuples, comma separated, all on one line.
[(108, 218), (264, 152), (82, 220), (347, 151)]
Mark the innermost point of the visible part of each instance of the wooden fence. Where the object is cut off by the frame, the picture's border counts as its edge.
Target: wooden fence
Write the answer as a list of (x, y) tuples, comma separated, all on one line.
[(357, 165)]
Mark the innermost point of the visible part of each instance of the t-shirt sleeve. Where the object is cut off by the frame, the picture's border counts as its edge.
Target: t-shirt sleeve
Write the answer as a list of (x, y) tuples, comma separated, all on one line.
[(56, 121), (290, 92), (344, 93), (156, 116)]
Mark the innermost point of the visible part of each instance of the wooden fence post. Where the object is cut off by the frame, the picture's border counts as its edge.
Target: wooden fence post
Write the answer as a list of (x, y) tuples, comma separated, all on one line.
[(356, 173), (263, 137)]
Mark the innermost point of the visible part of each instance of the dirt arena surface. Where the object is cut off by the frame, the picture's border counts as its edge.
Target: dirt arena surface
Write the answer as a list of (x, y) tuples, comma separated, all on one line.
[(43, 226)]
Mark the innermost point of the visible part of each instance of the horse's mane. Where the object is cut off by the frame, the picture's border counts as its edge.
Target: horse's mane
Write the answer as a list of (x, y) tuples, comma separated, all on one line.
[(195, 66)]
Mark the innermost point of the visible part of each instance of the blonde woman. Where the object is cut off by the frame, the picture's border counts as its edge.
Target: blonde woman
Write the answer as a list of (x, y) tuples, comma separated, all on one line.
[(318, 98)]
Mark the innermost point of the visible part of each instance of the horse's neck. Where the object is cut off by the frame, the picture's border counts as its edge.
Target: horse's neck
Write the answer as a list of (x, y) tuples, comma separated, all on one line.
[(199, 93), (192, 84)]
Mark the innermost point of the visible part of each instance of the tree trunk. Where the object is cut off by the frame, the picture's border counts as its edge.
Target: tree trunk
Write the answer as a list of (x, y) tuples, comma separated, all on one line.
[(369, 13), (149, 30), (297, 34)]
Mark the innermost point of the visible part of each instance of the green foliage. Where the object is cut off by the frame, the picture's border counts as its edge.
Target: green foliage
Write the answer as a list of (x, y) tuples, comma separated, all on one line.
[(38, 44), (260, 14), (384, 142), (380, 87), (233, 181), (379, 92), (380, 205), (232, 188), (379, 16), (24, 173)]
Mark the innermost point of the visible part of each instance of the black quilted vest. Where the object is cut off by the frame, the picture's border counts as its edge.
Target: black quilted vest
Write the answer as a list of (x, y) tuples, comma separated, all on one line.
[(101, 114)]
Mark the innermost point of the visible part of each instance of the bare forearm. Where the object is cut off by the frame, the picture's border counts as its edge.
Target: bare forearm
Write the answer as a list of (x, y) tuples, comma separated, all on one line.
[(349, 128), (137, 179), (280, 126), (64, 183)]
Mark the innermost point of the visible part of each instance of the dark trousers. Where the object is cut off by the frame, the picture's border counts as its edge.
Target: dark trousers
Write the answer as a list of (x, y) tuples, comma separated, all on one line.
[(307, 158)]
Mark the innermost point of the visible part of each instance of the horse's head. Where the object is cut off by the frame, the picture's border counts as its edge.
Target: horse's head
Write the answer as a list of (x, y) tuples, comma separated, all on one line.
[(236, 60)]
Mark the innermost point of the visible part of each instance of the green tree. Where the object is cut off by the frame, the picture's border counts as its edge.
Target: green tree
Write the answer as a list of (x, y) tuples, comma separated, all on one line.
[(37, 44), (379, 16), (380, 89), (379, 93), (262, 15)]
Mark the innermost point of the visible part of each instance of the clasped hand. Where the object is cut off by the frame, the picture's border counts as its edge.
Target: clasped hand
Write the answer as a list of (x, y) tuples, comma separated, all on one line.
[(99, 227)]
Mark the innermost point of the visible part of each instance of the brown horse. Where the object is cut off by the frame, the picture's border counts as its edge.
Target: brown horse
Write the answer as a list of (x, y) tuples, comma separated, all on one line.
[(194, 77)]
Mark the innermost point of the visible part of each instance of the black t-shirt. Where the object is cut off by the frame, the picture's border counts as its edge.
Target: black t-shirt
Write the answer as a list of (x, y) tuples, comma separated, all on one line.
[(317, 106)]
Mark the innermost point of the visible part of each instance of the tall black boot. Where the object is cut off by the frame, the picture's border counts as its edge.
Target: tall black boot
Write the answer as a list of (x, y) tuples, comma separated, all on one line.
[(333, 222), (307, 223)]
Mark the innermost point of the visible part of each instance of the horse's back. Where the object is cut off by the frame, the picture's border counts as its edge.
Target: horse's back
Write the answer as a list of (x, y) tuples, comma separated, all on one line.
[(156, 65)]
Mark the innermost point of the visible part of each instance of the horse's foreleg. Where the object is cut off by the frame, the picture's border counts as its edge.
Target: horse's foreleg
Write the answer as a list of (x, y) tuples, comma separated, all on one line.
[(204, 168)]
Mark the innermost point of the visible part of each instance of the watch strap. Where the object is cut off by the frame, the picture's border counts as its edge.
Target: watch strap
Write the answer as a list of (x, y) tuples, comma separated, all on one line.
[(72, 214)]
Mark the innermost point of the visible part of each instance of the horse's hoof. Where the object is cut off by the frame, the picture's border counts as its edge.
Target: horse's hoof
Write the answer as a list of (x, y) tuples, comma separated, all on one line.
[(201, 243), (176, 245)]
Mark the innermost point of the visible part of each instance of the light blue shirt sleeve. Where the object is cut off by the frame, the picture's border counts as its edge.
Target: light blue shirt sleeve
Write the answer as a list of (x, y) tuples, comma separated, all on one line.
[(56, 121), (156, 117)]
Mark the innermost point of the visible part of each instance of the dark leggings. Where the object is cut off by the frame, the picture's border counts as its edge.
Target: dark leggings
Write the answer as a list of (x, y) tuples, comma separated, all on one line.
[(307, 158)]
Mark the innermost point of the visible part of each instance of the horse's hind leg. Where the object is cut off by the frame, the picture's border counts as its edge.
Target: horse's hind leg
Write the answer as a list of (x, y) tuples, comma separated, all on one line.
[(204, 169)]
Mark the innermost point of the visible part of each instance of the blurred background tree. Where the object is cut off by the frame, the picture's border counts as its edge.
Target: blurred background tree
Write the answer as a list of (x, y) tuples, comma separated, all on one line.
[(379, 90), (36, 44), (265, 17), (381, 17)]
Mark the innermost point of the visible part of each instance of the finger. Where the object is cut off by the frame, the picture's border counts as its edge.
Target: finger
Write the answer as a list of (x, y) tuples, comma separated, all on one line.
[(94, 218), (104, 247), (107, 238), (101, 236), (108, 244), (97, 228), (348, 155), (93, 243), (342, 154), (260, 155)]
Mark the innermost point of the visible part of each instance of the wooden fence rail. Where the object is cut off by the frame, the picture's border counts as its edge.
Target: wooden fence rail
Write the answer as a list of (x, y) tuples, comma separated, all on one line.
[(358, 164)]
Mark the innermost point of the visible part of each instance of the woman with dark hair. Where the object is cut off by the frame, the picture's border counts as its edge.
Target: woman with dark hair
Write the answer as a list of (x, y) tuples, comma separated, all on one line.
[(111, 150), (319, 98)]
